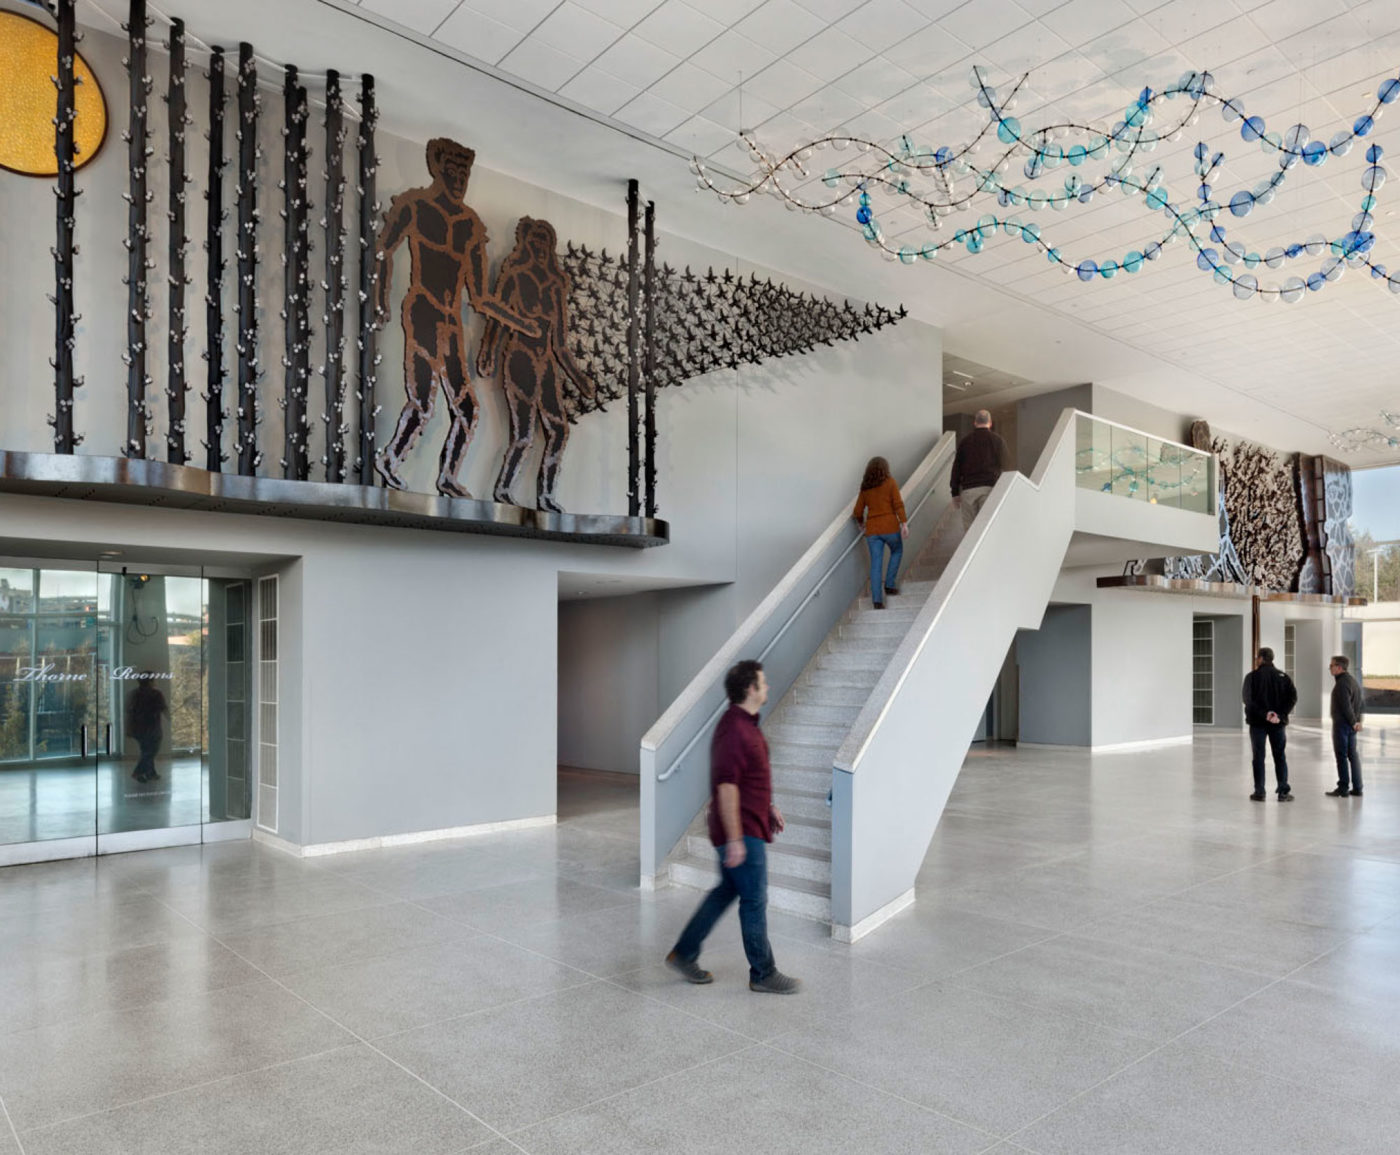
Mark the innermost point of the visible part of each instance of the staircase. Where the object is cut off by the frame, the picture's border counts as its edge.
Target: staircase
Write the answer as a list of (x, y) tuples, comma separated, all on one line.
[(806, 729)]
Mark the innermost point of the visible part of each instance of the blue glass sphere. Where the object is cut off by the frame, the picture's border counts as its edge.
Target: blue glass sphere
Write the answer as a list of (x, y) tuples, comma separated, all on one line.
[(1363, 125), (1009, 130), (1252, 128), (1108, 270), (1388, 91), (1242, 203), (1374, 154), (864, 215), (1132, 262), (1087, 270), (1314, 153)]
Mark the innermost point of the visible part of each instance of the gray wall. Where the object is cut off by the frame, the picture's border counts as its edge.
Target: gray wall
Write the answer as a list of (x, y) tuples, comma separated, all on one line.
[(1137, 414), (1142, 668), (1056, 678), (1036, 417)]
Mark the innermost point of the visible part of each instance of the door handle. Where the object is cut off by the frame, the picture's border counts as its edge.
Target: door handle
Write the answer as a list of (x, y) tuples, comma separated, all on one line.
[(109, 737), (82, 740)]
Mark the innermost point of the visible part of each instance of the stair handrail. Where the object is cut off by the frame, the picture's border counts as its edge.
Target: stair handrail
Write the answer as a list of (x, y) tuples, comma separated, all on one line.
[(695, 710)]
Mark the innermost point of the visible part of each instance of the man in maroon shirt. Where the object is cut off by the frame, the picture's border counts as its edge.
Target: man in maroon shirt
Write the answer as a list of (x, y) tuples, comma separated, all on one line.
[(742, 822)]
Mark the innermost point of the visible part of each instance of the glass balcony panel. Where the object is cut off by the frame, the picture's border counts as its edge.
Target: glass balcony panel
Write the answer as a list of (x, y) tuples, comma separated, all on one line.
[(1129, 463)]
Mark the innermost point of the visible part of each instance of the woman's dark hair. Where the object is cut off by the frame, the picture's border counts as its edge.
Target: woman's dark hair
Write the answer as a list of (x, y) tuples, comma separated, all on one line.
[(742, 677), (877, 470)]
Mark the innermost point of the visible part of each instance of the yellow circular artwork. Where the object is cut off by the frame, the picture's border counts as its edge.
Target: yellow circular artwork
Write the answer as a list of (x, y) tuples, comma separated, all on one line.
[(29, 101)]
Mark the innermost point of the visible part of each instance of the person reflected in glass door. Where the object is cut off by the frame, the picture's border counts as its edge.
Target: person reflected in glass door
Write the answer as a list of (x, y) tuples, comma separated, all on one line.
[(144, 710)]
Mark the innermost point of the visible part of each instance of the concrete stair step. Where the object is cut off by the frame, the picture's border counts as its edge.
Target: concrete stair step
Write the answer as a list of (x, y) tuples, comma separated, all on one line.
[(846, 679), (841, 714), (805, 734), (832, 695), (863, 639), (809, 862), (810, 830), (855, 660), (800, 896), (876, 626), (915, 589), (815, 779), (796, 802)]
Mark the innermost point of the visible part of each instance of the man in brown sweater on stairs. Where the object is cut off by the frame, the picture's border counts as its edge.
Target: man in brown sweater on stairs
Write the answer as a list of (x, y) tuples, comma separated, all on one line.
[(980, 460)]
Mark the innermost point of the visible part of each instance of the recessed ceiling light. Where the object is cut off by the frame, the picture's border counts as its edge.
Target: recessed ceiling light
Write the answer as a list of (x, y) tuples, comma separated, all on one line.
[(958, 385)]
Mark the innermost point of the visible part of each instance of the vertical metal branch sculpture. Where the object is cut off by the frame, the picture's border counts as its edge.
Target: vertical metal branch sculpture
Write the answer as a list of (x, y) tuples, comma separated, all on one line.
[(247, 134), (369, 261), (179, 119), (214, 412), (334, 285), (634, 353), (296, 325), (649, 368), (302, 299), (138, 414), (65, 440)]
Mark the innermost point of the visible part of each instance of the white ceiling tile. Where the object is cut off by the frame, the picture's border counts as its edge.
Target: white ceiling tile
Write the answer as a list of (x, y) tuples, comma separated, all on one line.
[(731, 54), (828, 108), (1283, 18), (1340, 35), (730, 12), (1218, 46), (652, 114), (593, 88), (1024, 50), (575, 31), (540, 64), (738, 110), (831, 10), (521, 15), (779, 26), (875, 82), (679, 27), (914, 107), (420, 15), (937, 9), (928, 51), (701, 136), (634, 60), (1124, 47), (477, 35), (691, 87), (1084, 21), (782, 84), (830, 53), (624, 13), (1180, 20), (979, 24), (1378, 17), (882, 24)]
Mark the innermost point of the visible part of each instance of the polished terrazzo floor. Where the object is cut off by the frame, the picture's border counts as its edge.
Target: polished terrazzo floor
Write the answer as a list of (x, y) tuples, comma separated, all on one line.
[(1110, 955)]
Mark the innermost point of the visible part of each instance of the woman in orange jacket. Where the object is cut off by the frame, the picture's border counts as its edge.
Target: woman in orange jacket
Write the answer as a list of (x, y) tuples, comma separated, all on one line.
[(882, 508)]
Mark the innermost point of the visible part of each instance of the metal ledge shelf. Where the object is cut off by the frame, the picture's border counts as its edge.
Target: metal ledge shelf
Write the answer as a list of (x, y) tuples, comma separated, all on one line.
[(129, 481), (1197, 587)]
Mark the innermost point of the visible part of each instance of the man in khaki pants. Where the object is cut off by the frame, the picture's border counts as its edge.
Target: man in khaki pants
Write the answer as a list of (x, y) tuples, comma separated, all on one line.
[(980, 460)]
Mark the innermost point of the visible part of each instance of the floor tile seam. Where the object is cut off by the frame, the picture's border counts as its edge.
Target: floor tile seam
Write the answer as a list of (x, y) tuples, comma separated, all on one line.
[(257, 926), (1154, 1051), (616, 981), (10, 1123), (884, 1091), (201, 1086), (483, 933), (592, 1103), (363, 1041), (950, 975), (1084, 932)]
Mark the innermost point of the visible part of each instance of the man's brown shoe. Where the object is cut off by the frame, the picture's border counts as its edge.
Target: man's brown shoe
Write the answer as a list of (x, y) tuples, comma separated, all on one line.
[(688, 970)]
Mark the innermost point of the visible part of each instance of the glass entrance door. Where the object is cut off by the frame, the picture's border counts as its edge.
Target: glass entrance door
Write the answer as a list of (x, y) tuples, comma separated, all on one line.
[(151, 709), (124, 709), (49, 627)]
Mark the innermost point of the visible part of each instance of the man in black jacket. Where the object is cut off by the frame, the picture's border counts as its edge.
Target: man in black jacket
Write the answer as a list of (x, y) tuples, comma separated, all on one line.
[(979, 461), (1346, 721), (1269, 697)]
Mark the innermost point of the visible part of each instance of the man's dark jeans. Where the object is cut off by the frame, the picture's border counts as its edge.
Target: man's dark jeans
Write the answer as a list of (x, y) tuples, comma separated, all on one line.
[(1348, 757), (1277, 738), (748, 882)]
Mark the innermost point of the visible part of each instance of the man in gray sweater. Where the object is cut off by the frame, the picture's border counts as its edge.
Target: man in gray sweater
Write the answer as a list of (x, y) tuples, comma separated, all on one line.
[(1346, 722)]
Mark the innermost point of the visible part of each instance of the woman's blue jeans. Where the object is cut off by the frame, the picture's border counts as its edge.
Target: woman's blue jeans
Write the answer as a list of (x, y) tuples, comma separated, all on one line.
[(877, 543), (748, 882)]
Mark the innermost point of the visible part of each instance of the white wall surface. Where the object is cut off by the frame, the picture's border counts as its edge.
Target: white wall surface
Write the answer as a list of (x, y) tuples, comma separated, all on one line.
[(1142, 668)]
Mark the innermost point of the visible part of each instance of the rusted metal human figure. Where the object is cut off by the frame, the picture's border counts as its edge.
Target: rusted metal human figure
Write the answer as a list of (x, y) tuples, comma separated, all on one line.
[(447, 246), (536, 367)]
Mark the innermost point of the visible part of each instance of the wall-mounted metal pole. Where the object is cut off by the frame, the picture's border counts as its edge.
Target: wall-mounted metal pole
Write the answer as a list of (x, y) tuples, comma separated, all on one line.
[(369, 261), (334, 284), (296, 323), (214, 412), (138, 231), (247, 133), (178, 120), (650, 290), (634, 352), (65, 440)]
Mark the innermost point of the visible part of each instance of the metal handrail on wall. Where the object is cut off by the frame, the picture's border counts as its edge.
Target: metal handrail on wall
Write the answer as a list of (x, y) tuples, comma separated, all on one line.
[(783, 631)]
